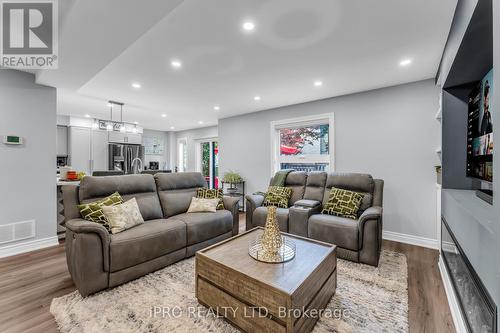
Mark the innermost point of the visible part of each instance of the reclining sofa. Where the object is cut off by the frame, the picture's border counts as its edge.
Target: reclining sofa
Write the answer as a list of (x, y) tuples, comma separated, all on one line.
[(98, 260), (358, 240)]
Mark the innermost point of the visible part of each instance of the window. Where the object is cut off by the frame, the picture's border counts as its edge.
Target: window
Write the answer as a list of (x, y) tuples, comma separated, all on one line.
[(303, 144)]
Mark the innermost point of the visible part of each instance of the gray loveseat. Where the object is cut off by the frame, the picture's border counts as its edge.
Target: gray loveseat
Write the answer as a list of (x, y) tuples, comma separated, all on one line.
[(98, 260), (357, 240)]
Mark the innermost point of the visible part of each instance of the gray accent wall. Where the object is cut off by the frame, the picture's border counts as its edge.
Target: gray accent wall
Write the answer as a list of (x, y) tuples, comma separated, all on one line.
[(28, 172), (390, 133)]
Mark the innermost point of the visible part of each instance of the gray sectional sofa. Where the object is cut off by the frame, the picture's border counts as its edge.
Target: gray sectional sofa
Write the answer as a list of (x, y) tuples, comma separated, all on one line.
[(98, 260), (357, 240)]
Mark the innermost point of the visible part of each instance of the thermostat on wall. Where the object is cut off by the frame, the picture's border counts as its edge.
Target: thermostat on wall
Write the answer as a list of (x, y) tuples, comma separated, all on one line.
[(12, 140)]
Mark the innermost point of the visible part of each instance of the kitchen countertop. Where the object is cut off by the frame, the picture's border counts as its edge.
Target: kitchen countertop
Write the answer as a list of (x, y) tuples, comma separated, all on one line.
[(60, 182)]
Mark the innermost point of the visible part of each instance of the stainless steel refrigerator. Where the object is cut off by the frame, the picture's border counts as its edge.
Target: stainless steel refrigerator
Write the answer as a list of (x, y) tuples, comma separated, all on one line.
[(126, 158)]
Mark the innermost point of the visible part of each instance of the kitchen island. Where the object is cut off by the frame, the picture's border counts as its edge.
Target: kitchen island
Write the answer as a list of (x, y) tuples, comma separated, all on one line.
[(61, 230)]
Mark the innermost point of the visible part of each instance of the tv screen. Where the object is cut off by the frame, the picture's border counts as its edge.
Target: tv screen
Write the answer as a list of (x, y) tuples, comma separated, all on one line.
[(480, 130)]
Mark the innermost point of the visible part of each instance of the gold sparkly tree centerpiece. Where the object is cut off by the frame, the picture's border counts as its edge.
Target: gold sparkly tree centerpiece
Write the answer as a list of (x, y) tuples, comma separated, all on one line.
[(272, 246), (271, 239)]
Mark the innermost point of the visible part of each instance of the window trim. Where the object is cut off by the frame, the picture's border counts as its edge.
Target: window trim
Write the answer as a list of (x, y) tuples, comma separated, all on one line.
[(276, 125), (179, 158)]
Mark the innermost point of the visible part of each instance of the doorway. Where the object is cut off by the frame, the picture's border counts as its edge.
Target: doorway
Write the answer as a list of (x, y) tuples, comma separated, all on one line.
[(208, 161)]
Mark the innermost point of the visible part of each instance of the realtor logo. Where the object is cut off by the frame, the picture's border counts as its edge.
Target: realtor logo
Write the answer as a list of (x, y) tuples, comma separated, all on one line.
[(29, 34)]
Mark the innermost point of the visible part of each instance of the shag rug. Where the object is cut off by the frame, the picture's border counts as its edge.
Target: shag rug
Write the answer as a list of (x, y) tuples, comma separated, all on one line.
[(368, 299)]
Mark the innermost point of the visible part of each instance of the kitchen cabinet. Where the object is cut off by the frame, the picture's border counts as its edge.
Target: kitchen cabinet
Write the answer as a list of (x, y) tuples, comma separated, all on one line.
[(88, 149), (62, 141), (80, 149), (129, 138), (99, 156)]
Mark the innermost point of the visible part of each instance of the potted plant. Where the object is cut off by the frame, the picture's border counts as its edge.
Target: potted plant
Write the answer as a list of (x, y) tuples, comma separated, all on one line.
[(232, 178)]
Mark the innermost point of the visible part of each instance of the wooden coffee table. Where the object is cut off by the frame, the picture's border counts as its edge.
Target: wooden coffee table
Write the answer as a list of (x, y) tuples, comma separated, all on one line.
[(263, 297)]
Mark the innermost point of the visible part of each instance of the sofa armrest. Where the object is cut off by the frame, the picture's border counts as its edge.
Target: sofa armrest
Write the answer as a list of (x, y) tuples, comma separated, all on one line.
[(372, 213), (87, 255), (298, 218), (255, 200), (252, 202), (232, 204), (370, 235), (78, 226)]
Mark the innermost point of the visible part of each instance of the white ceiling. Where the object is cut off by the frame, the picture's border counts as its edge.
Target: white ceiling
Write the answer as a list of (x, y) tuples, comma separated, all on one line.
[(350, 46)]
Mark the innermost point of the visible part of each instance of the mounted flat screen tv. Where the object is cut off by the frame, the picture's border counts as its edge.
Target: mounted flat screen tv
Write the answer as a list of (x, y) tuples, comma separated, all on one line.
[(480, 130)]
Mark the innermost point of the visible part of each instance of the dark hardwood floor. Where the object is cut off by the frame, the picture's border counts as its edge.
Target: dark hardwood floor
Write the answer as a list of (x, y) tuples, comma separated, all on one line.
[(28, 282)]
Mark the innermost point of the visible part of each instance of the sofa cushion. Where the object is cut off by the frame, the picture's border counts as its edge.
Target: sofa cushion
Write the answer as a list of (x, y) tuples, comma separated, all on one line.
[(146, 241), (176, 190), (140, 187), (357, 182), (315, 185), (260, 215), (204, 226), (336, 230), (296, 180)]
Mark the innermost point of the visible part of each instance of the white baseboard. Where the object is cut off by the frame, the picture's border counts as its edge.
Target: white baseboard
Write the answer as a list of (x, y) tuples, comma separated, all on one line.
[(37, 244), (410, 239), (456, 313)]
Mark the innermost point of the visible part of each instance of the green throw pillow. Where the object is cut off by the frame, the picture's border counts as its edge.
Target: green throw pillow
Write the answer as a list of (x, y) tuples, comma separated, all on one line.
[(277, 196), (211, 193), (92, 211), (343, 203)]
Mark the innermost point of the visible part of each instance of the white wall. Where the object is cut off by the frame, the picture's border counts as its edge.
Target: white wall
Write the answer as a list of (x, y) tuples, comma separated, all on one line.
[(194, 136), (390, 133), (28, 172), (162, 159)]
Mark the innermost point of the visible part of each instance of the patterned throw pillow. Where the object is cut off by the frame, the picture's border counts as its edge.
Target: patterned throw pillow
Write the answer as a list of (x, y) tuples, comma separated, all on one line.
[(343, 203), (92, 211), (211, 193), (199, 205), (124, 216), (277, 196)]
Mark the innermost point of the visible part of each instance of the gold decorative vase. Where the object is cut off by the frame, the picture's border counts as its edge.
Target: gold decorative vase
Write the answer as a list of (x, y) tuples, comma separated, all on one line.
[(271, 239)]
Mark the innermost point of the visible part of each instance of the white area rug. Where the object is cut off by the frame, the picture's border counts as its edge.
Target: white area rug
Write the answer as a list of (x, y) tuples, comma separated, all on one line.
[(367, 299)]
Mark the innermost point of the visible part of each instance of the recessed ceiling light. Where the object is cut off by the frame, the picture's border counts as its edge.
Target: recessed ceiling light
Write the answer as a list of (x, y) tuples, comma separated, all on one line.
[(249, 26), (87, 116), (172, 127), (257, 98), (176, 63), (136, 85), (318, 83), (405, 62), (164, 116), (200, 122), (136, 122), (216, 108)]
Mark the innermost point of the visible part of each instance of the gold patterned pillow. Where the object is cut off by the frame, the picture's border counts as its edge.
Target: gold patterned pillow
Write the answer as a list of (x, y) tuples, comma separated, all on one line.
[(92, 211), (343, 203), (124, 216), (277, 196), (211, 193)]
